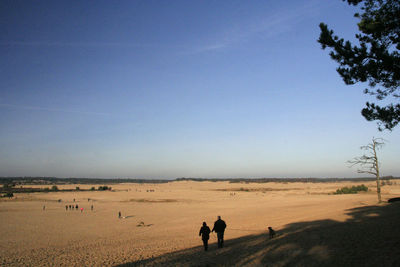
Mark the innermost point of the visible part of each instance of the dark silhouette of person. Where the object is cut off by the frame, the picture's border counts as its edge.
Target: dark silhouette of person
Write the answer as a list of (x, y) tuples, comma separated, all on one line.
[(76, 207), (205, 235), (91, 207), (66, 207), (271, 232), (119, 214), (219, 228)]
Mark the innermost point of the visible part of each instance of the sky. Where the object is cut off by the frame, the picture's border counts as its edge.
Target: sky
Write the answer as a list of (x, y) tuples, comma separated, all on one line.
[(167, 89)]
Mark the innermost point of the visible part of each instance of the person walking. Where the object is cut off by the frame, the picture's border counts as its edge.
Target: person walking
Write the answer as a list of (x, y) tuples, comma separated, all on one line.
[(219, 228), (205, 235)]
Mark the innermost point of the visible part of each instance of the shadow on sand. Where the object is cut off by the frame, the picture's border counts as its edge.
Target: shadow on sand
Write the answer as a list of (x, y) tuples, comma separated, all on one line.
[(370, 237)]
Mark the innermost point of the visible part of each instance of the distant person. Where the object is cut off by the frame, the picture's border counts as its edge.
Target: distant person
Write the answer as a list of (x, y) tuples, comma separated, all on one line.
[(119, 215), (74, 199), (91, 207), (219, 228), (205, 235), (44, 207), (271, 232), (76, 207), (81, 209), (66, 207)]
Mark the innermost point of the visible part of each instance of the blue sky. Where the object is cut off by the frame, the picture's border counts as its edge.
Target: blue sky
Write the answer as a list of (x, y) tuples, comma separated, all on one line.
[(166, 89)]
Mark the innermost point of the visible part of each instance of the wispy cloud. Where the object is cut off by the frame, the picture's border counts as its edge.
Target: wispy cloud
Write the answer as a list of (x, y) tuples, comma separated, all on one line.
[(267, 27), (206, 48), (52, 109), (76, 44), (275, 23)]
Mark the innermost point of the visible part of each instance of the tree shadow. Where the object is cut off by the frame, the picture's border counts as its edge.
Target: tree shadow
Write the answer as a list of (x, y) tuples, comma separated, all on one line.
[(370, 237)]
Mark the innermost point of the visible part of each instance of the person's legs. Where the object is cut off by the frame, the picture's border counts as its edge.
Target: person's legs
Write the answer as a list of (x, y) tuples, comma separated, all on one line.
[(205, 243), (220, 239)]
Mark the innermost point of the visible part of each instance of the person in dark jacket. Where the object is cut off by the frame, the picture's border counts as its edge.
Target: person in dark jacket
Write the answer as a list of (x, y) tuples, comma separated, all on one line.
[(205, 235), (219, 228)]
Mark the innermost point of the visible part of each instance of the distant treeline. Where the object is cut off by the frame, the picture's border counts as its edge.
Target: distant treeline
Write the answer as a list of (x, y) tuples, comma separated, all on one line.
[(285, 180), (10, 188), (54, 180)]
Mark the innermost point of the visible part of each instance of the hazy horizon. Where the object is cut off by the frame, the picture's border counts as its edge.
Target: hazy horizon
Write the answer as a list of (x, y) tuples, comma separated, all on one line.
[(179, 89)]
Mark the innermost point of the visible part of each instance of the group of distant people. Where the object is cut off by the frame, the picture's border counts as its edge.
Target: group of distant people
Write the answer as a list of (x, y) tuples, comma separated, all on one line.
[(76, 207), (219, 228), (71, 207)]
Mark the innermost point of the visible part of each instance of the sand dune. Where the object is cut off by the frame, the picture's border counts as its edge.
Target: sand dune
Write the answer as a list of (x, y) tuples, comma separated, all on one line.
[(161, 227)]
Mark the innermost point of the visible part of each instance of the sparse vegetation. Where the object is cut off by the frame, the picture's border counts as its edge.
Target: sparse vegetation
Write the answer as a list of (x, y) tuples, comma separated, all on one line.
[(142, 200), (104, 187), (8, 194), (351, 190), (8, 186), (262, 189), (388, 182)]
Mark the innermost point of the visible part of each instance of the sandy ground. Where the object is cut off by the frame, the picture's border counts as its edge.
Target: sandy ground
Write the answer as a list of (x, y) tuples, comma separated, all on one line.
[(161, 227)]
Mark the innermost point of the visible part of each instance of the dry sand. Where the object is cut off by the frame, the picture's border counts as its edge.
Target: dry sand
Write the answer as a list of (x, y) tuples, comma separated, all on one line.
[(161, 227)]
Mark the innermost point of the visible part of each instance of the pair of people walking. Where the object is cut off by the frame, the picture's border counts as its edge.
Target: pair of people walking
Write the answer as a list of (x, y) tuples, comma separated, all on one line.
[(219, 228)]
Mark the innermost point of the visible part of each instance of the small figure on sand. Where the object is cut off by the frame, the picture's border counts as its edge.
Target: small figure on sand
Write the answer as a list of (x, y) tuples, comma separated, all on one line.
[(66, 207), (81, 209), (91, 207), (44, 207), (119, 215), (205, 235), (76, 207), (219, 228), (271, 232)]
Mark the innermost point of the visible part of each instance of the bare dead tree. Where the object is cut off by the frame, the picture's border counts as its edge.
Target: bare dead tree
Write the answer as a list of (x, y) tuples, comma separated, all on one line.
[(369, 163)]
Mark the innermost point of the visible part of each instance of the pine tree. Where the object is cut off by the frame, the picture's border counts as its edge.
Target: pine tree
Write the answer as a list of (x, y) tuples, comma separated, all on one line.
[(375, 60)]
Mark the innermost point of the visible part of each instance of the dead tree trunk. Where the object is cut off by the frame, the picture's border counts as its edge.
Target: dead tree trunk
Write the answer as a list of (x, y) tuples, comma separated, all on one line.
[(369, 162)]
